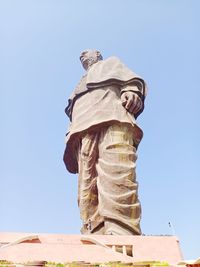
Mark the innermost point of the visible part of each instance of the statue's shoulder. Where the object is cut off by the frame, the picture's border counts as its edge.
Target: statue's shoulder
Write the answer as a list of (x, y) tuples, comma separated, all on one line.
[(81, 86), (113, 59), (107, 64), (113, 62)]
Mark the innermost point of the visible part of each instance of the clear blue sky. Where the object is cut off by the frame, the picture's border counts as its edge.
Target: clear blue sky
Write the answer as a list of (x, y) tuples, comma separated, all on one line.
[(39, 66)]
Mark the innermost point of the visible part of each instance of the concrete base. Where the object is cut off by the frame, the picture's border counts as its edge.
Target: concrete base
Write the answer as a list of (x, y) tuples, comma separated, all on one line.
[(60, 248)]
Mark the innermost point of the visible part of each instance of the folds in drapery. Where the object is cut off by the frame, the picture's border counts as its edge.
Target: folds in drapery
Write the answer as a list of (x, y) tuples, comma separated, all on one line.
[(108, 197), (106, 73), (94, 110)]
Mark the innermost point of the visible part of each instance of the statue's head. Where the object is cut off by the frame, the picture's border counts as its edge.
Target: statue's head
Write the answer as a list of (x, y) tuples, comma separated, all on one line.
[(89, 57)]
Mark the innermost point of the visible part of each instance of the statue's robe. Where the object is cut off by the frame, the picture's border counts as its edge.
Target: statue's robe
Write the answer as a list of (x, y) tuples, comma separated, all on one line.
[(95, 109), (89, 107)]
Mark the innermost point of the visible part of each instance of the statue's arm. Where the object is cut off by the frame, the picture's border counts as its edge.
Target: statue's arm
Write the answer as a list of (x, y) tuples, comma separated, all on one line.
[(77, 92), (132, 97), (137, 86)]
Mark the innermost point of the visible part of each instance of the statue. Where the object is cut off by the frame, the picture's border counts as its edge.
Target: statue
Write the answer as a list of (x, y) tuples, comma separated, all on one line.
[(101, 145)]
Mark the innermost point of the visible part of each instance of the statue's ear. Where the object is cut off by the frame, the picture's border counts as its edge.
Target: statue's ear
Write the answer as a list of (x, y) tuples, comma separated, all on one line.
[(99, 55)]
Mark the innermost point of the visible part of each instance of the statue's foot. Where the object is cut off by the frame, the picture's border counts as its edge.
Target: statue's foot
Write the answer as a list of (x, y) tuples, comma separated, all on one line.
[(93, 229), (114, 228)]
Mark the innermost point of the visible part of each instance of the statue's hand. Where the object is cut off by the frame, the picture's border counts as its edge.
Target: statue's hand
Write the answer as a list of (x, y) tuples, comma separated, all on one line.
[(131, 101)]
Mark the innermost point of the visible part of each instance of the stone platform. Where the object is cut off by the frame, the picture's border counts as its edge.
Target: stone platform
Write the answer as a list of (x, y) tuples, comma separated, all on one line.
[(62, 248)]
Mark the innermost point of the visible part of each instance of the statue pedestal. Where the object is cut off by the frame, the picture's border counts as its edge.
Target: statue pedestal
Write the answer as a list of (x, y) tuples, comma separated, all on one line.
[(62, 248)]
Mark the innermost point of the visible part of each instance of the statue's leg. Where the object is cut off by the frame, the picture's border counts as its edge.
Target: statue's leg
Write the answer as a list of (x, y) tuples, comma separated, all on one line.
[(87, 188), (116, 181)]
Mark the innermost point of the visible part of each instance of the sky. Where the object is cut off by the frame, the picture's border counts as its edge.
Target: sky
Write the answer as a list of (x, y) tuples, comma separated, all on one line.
[(41, 41)]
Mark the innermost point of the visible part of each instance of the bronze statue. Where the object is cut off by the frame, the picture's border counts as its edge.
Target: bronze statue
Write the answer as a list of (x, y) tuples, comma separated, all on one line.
[(101, 144)]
